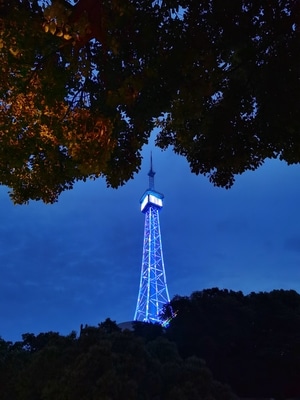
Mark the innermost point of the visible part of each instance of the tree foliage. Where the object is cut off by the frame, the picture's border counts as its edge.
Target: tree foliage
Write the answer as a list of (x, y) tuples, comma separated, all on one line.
[(103, 363), (82, 86), (250, 342)]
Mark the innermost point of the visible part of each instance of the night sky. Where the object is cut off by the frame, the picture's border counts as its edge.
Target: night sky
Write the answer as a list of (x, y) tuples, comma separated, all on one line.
[(78, 261)]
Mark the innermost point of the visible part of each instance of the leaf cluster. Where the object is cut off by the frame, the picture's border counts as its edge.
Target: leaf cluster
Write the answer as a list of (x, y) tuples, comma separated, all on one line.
[(250, 341), (102, 363), (82, 86)]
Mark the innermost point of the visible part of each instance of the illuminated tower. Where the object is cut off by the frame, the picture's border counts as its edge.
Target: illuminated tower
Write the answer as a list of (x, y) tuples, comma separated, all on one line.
[(153, 291)]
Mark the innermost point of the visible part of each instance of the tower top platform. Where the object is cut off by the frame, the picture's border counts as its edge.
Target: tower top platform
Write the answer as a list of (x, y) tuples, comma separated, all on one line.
[(151, 196)]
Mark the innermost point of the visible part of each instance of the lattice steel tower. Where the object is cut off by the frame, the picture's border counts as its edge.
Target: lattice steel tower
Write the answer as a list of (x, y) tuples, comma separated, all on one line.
[(153, 291)]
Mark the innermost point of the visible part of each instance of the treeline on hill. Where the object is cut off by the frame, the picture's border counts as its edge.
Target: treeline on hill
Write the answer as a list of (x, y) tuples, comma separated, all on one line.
[(104, 363), (249, 343)]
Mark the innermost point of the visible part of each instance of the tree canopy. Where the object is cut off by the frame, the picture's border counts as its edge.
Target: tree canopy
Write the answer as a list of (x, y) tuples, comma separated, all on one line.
[(249, 341), (103, 363), (82, 86)]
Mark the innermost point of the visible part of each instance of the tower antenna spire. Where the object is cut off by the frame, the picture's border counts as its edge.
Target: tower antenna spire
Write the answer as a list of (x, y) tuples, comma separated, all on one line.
[(151, 174)]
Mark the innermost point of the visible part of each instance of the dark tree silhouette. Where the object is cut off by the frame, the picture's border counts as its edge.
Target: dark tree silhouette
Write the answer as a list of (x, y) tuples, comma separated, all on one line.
[(103, 362), (82, 86), (251, 342)]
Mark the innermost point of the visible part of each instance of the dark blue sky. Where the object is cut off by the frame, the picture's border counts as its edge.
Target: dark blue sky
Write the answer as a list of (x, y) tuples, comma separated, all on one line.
[(78, 261)]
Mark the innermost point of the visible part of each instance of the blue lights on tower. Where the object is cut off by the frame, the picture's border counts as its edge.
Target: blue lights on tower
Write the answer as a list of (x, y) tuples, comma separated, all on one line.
[(153, 291)]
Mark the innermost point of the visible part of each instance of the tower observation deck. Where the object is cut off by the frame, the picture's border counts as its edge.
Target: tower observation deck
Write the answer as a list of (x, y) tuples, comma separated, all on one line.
[(153, 290)]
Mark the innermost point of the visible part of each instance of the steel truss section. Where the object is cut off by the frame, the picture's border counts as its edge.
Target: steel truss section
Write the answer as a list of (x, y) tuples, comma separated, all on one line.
[(153, 290)]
